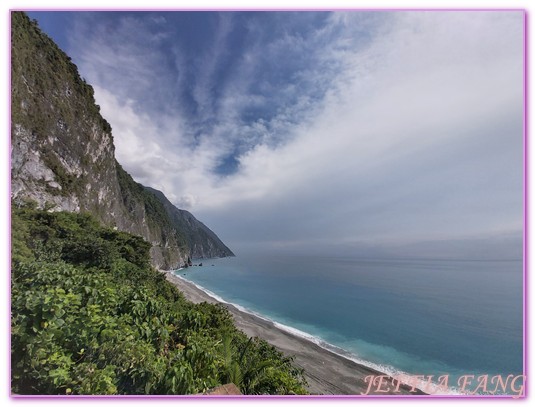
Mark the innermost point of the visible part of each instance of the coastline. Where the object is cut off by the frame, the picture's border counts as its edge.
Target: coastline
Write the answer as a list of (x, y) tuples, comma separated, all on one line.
[(326, 372)]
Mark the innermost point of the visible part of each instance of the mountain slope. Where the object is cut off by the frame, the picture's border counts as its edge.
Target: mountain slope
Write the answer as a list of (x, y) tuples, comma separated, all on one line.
[(202, 242), (63, 156)]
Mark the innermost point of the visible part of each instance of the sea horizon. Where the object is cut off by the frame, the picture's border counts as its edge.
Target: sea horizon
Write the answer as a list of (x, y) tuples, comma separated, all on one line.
[(220, 279)]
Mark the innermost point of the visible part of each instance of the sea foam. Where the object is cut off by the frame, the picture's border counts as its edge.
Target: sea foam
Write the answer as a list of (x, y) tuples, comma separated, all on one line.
[(381, 368)]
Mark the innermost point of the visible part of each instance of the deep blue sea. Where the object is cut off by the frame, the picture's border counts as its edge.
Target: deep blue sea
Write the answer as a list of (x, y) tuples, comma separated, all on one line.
[(427, 317)]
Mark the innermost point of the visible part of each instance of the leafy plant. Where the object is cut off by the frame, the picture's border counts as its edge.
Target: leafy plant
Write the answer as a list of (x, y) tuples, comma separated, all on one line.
[(90, 316)]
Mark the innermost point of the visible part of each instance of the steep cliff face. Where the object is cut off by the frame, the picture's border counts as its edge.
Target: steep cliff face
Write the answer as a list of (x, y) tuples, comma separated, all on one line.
[(62, 149), (203, 243), (63, 156)]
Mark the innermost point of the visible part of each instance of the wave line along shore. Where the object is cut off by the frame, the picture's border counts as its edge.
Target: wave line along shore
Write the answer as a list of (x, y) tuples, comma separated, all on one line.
[(326, 372)]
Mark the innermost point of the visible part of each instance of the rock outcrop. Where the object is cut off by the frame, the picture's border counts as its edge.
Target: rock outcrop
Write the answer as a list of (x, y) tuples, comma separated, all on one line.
[(203, 243), (63, 156)]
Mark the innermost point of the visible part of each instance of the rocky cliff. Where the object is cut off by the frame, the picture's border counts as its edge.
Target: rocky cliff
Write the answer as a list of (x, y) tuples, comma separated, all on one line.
[(63, 156), (203, 243)]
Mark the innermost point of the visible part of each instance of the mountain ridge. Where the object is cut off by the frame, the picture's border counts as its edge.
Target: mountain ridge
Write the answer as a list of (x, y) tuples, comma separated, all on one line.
[(184, 220), (63, 155)]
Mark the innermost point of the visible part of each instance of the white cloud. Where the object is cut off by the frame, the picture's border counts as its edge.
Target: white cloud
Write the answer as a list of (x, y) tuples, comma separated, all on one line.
[(420, 102), (418, 137)]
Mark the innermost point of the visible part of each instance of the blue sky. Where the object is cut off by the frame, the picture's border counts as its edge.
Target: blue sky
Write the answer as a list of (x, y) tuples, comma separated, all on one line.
[(368, 132)]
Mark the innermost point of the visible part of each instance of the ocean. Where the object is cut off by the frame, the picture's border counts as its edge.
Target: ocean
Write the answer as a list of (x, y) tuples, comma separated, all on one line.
[(419, 317)]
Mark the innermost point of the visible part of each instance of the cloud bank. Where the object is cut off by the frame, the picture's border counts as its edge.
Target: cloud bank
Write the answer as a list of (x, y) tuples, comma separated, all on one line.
[(316, 129)]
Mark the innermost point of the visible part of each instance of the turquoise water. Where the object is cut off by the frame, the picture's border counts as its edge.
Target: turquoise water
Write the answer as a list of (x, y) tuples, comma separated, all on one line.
[(427, 317)]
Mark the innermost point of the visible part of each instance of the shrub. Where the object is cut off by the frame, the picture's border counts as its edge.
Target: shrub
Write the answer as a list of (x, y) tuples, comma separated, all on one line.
[(90, 316)]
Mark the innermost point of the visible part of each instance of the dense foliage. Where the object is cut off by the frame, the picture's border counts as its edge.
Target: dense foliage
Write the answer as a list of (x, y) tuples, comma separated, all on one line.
[(90, 316)]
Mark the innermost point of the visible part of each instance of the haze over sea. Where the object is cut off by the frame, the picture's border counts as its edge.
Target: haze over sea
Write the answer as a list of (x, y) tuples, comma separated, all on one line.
[(425, 317)]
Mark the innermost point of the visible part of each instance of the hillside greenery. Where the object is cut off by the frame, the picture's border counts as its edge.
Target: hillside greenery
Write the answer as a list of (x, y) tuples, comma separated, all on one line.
[(90, 316), (194, 233), (134, 193), (40, 65), (63, 151), (47, 92)]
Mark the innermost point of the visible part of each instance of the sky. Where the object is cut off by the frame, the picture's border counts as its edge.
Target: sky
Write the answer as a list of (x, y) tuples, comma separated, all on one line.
[(360, 132)]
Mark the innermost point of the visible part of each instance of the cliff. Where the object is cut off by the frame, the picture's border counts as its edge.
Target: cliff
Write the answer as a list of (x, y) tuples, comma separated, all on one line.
[(63, 156), (203, 243)]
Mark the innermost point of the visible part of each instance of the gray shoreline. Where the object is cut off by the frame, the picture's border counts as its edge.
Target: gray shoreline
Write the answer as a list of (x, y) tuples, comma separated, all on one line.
[(326, 372)]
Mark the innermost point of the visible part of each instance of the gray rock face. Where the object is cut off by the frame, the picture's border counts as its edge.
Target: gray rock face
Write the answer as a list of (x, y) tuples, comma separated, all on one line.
[(203, 243), (63, 156)]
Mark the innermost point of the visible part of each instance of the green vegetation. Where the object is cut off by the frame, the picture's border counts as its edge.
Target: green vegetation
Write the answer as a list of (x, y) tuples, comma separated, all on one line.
[(134, 193), (194, 233), (49, 100), (90, 316), (39, 65)]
